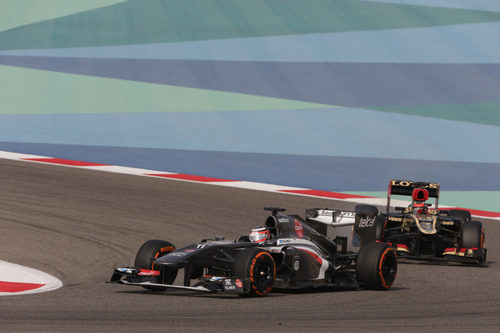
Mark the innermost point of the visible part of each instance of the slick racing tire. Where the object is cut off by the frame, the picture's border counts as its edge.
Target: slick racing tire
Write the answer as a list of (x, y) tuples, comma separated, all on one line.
[(376, 266), (148, 253), (472, 235), (464, 215), (256, 266)]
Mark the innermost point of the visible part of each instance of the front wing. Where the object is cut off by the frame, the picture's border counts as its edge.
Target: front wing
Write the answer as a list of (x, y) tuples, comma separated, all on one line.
[(460, 256), (210, 284)]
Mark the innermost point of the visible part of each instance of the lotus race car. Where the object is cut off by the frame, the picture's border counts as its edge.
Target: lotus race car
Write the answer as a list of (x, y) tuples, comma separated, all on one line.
[(288, 252), (423, 231)]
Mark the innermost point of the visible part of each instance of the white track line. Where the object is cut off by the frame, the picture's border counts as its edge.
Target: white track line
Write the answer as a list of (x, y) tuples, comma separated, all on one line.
[(20, 280), (221, 182)]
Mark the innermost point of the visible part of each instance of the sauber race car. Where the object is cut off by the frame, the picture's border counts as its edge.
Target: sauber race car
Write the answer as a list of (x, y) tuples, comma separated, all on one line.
[(288, 252), (422, 230)]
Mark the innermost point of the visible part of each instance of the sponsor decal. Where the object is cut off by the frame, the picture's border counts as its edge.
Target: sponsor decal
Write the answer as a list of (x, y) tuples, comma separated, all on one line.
[(325, 212), (296, 264), (408, 183), (283, 220), (148, 272), (339, 215), (366, 222), (299, 229), (447, 223), (345, 217), (238, 283), (228, 284), (344, 214)]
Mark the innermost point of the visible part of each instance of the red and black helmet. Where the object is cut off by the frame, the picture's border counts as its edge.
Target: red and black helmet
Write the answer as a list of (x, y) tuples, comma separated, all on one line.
[(420, 194)]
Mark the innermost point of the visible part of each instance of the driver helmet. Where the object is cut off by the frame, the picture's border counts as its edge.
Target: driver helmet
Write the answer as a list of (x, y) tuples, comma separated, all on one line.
[(259, 235), (420, 196)]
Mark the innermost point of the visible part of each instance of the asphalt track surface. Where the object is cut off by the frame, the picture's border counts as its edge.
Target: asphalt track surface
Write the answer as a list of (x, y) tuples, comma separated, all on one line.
[(79, 224)]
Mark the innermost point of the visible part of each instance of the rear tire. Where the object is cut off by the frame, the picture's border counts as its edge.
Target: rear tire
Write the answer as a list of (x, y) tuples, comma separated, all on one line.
[(472, 235), (148, 253), (258, 267), (376, 266)]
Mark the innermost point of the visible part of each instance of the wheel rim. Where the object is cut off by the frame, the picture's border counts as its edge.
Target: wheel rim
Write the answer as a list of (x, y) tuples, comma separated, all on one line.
[(263, 277), (388, 268), (264, 274)]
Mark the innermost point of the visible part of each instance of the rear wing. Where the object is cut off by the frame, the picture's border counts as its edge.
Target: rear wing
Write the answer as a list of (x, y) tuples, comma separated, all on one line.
[(342, 222), (331, 217), (406, 187)]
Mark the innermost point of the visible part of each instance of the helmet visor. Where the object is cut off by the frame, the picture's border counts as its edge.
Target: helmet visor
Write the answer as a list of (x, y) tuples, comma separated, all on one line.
[(258, 236)]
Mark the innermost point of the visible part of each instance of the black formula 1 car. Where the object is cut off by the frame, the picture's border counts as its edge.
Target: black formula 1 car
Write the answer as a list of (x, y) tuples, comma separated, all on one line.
[(287, 253), (421, 230)]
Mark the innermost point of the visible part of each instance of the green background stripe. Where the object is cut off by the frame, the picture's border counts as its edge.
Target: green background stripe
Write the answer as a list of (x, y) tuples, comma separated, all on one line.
[(28, 89), (16, 13), (480, 113), (188, 20)]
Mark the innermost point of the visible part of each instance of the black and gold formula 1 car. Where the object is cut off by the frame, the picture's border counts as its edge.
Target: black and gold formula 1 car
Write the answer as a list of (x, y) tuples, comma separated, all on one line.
[(422, 230), (288, 252)]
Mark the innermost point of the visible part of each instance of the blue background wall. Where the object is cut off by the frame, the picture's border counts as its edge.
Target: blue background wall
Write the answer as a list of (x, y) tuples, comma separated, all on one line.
[(331, 95)]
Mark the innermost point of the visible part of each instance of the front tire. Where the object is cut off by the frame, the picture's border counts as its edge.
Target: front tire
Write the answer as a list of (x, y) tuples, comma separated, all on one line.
[(376, 266), (472, 235), (146, 256), (258, 267)]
